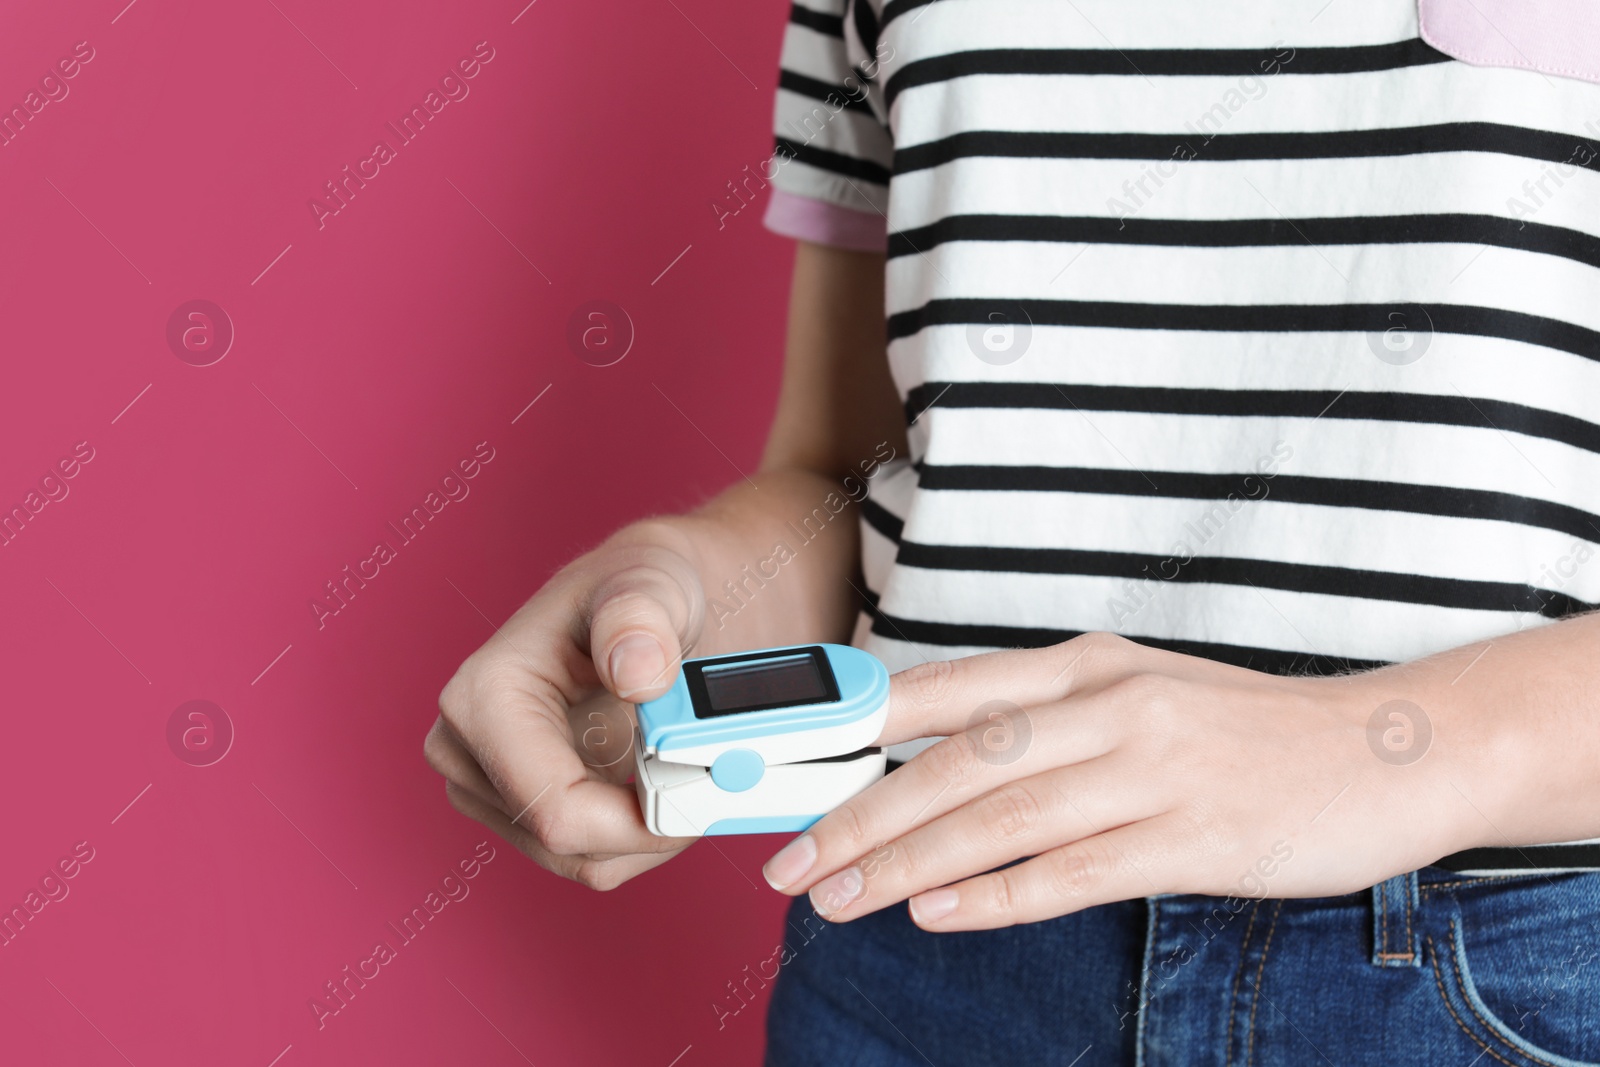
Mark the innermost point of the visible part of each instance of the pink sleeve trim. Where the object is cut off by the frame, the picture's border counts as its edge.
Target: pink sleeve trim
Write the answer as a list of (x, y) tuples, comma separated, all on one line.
[(809, 219), (1552, 36)]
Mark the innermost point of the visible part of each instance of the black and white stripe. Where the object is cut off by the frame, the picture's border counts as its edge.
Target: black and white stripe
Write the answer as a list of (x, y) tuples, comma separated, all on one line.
[(1206, 222)]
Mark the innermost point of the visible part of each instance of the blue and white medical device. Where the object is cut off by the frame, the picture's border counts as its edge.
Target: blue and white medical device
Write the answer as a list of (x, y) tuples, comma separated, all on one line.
[(760, 742)]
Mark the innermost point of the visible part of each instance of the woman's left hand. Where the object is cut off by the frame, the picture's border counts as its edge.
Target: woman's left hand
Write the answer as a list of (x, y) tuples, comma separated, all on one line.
[(1124, 772)]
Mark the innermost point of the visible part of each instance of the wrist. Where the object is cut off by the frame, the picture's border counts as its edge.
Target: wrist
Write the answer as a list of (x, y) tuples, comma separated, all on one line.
[(1425, 752)]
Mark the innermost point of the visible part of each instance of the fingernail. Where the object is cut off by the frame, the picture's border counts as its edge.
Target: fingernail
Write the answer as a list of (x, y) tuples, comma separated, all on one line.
[(637, 662), (932, 905), (832, 893), (791, 862)]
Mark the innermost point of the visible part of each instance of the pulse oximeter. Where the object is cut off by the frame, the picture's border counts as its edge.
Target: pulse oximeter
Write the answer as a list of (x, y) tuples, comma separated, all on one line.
[(760, 742)]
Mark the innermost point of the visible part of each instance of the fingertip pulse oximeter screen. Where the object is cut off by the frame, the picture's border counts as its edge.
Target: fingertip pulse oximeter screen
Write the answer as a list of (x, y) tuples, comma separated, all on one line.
[(735, 684)]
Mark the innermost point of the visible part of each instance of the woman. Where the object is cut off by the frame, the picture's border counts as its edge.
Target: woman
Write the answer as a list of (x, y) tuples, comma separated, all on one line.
[(1241, 378)]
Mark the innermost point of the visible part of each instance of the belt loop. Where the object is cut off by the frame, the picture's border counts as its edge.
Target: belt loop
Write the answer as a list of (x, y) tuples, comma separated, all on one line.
[(1396, 938)]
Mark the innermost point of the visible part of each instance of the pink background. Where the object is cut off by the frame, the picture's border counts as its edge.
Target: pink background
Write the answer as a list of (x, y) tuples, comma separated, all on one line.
[(370, 356)]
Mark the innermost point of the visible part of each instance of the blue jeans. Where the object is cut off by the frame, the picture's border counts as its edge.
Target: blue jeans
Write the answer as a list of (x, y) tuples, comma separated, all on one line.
[(1428, 968)]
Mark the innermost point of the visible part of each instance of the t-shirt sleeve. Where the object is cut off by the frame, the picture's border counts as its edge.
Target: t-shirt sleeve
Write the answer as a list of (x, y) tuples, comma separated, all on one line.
[(833, 151)]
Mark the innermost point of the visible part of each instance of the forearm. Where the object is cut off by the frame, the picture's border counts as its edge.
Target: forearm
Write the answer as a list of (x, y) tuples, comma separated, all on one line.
[(780, 560), (778, 552), (1516, 732), (777, 558)]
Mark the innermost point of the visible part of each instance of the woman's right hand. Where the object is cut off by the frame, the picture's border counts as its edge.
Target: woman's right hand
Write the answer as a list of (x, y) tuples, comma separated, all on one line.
[(536, 730), (535, 735)]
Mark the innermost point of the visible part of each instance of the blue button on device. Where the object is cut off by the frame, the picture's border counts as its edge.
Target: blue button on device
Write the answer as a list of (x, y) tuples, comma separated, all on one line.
[(737, 770)]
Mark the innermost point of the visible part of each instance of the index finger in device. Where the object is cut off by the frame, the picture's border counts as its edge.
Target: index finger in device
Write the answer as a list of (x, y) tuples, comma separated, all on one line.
[(942, 696)]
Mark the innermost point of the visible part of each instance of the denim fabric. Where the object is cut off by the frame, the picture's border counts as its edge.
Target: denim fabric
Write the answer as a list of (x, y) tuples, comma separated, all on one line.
[(1432, 968)]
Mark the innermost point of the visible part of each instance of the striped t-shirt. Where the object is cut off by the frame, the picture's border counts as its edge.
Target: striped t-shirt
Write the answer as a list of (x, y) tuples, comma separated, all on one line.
[(1261, 331)]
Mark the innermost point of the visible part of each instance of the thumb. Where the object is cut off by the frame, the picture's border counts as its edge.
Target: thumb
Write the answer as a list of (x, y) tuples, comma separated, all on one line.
[(643, 619), (639, 666)]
